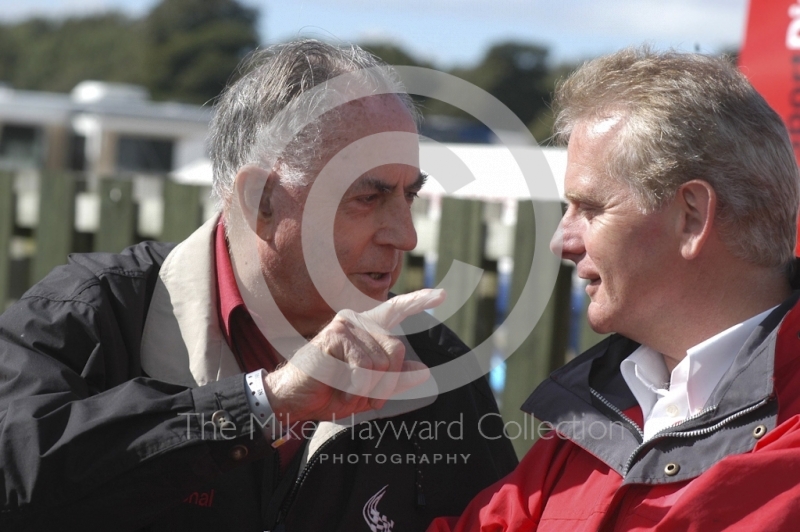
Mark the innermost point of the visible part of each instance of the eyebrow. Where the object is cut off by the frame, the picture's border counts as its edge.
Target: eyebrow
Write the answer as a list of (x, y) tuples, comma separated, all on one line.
[(575, 197), (420, 182), (579, 197), (373, 183)]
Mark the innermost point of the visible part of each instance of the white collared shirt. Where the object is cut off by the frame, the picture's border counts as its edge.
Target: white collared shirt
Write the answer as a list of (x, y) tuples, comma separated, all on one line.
[(669, 399)]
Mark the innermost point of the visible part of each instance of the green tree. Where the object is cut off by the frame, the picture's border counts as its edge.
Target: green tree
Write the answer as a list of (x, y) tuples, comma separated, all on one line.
[(393, 54), (9, 53), (514, 73), (193, 46), (94, 47), (541, 126), (52, 55), (517, 74)]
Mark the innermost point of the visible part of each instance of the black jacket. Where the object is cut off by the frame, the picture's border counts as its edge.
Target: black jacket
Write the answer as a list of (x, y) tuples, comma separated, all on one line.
[(89, 440)]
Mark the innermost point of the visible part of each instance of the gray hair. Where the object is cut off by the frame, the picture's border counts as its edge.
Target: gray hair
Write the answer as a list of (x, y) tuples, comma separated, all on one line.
[(691, 116), (250, 127)]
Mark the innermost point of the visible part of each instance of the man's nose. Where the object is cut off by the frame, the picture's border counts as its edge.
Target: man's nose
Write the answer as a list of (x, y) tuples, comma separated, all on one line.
[(557, 242), (567, 241), (398, 227)]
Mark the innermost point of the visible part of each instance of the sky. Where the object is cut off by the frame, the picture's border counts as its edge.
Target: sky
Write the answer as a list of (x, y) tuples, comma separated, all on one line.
[(452, 33)]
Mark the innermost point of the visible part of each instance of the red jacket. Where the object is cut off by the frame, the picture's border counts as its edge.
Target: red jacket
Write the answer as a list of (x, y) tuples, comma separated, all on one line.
[(736, 466)]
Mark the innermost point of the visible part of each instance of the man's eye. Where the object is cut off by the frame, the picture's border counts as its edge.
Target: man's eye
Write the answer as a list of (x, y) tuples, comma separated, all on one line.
[(411, 196), (588, 211), (372, 198)]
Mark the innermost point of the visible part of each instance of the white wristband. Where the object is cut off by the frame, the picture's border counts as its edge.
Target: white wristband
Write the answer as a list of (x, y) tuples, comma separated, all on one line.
[(259, 404), (261, 409)]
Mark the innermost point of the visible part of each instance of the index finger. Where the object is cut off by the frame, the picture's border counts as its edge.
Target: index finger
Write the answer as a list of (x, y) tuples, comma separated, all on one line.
[(390, 313)]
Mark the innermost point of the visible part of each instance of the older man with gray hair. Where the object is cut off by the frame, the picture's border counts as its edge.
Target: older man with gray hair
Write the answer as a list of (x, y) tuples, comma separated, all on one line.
[(682, 195), (150, 389)]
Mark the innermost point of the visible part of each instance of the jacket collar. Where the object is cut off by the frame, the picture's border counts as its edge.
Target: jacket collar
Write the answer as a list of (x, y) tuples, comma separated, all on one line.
[(579, 397), (182, 342)]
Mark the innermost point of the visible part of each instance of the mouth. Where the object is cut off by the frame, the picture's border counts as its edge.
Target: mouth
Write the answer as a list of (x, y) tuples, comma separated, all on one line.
[(374, 282), (592, 285)]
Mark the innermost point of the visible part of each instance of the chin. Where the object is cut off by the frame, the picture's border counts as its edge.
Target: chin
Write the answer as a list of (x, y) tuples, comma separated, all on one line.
[(599, 329), (599, 324)]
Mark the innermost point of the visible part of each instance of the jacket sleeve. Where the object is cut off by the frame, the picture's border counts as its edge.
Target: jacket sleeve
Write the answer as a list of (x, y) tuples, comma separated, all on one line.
[(82, 432), (514, 503)]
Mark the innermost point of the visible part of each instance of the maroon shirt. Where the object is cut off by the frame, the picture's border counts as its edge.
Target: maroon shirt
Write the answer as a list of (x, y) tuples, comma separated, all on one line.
[(253, 352), (243, 336)]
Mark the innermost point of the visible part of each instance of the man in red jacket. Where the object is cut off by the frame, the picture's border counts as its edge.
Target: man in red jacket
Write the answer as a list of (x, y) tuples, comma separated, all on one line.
[(682, 193)]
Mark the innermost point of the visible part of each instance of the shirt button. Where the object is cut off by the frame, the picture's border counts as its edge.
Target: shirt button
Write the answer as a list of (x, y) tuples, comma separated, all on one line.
[(239, 452), (672, 410), (221, 419)]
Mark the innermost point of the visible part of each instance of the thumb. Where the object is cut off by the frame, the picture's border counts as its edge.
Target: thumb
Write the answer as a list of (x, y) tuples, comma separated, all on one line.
[(413, 374)]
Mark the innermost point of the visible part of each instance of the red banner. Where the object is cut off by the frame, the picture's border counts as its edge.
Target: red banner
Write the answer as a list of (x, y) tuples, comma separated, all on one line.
[(770, 58)]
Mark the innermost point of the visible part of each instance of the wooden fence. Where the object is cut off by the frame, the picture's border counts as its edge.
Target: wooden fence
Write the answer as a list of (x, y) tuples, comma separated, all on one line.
[(40, 224)]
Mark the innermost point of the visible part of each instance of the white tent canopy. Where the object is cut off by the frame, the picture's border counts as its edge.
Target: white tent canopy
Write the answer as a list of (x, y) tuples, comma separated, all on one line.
[(495, 171)]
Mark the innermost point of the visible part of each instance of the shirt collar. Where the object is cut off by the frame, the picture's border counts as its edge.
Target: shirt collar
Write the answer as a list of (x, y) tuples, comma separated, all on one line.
[(700, 371), (230, 298), (646, 374)]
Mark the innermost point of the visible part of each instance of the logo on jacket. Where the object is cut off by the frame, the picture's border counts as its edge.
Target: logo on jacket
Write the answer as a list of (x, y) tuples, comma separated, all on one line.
[(376, 521)]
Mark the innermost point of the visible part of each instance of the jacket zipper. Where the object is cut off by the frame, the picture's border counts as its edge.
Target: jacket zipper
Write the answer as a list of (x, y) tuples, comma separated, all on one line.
[(692, 433), (617, 411), (299, 483)]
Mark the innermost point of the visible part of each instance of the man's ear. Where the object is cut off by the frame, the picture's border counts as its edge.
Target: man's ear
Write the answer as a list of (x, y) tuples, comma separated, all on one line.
[(697, 202), (254, 187)]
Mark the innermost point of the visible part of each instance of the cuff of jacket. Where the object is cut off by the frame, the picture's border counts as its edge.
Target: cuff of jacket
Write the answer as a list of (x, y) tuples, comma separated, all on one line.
[(223, 418)]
